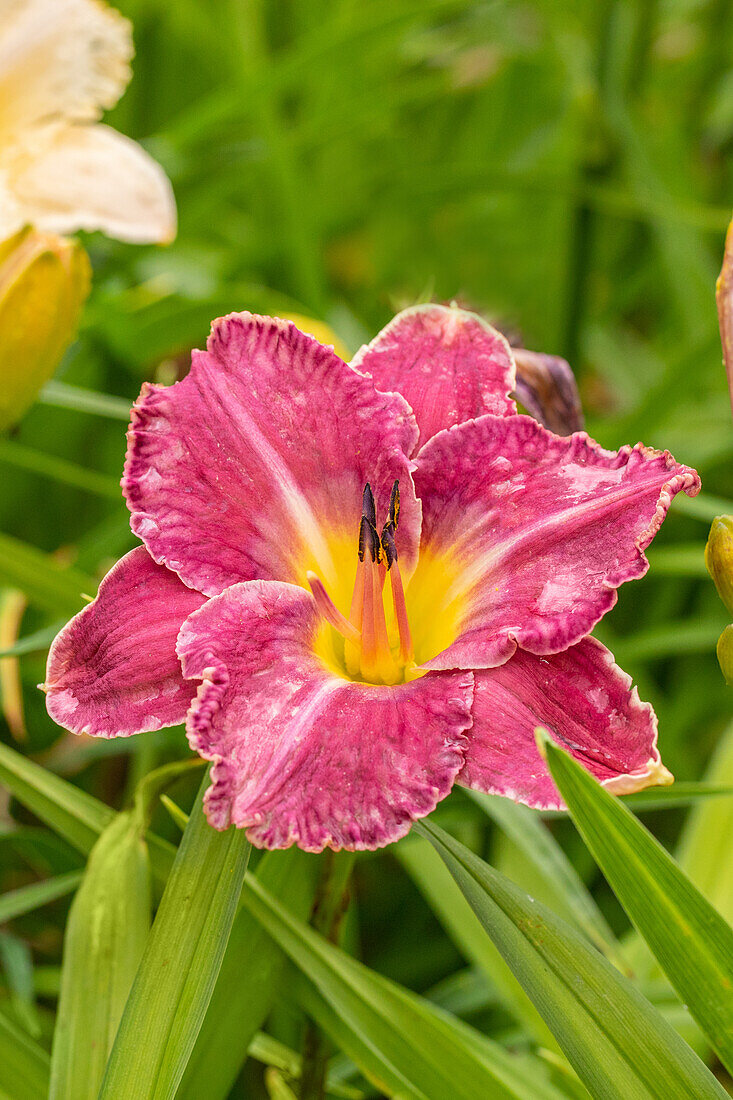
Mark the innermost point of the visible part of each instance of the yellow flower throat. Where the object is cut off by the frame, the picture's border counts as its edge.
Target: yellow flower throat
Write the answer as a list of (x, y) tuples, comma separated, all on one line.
[(368, 655)]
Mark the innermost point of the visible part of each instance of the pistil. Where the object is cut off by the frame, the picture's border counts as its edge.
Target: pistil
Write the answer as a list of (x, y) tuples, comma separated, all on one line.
[(330, 612)]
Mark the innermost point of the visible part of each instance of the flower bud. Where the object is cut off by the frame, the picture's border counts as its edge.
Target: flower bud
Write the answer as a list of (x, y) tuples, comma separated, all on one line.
[(320, 331), (44, 281), (725, 654), (547, 388), (719, 558)]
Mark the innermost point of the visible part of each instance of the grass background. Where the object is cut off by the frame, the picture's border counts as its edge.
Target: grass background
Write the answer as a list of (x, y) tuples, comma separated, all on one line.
[(566, 169)]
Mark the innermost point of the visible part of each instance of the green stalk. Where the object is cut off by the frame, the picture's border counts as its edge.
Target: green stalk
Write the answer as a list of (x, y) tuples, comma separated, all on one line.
[(329, 908)]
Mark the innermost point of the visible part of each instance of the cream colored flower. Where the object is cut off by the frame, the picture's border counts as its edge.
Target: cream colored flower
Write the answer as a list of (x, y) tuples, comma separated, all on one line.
[(62, 64)]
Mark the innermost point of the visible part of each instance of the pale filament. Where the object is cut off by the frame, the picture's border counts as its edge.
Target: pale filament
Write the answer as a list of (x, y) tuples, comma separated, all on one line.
[(407, 653)]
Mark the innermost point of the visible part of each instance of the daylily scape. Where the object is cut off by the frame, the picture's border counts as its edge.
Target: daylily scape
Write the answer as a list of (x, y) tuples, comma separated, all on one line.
[(362, 583)]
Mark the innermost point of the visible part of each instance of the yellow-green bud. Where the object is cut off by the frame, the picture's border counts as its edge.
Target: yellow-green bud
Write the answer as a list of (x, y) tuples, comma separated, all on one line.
[(725, 654), (44, 281), (319, 330), (719, 558)]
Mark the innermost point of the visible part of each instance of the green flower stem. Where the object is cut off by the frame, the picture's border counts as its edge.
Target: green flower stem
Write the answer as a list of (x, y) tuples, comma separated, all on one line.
[(329, 908)]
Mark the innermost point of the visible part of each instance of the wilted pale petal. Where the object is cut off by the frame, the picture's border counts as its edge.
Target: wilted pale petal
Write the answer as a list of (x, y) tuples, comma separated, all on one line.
[(449, 364), (546, 387), (302, 755), (113, 670), (59, 59), (589, 707), (44, 281), (535, 533), (254, 465), (91, 177)]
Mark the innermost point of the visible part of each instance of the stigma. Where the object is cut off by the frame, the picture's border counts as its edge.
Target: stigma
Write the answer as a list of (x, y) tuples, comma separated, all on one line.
[(372, 652)]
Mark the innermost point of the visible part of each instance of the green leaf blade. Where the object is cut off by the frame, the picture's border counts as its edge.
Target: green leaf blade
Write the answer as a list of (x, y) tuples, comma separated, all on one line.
[(69, 811), (27, 898), (238, 1007), (616, 1041), (24, 1065), (64, 396), (180, 964), (689, 938), (403, 1044), (72, 813), (437, 886), (707, 838), (58, 469), (570, 898), (46, 583), (105, 936)]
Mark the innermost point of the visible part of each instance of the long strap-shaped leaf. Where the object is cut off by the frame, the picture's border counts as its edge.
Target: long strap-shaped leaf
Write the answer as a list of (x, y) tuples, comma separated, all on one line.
[(72, 813), (58, 469), (448, 904), (179, 968), (706, 841), (104, 940), (566, 892), (691, 941), (404, 1044), (46, 582), (27, 898), (69, 811), (24, 1065), (81, 818), (619, 1045), (248, 980)]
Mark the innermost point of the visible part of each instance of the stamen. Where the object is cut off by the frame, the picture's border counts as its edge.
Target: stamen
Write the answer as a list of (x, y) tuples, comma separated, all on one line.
[(398, 594), (394, 505), (407, 652), (330, 612), (368, 656), (388, 545), (357, 600), (367, 652), (377, 664), (368, 509), (352, 650), (368, 539), (384, 656)]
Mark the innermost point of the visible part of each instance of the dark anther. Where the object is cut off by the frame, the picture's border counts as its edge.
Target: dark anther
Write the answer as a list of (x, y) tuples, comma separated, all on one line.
[(368, 510), (394, 505), (388, 544), (368, 540)]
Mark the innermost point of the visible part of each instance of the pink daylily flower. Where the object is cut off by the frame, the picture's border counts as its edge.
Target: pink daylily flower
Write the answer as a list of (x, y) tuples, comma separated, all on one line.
[(361, 584)]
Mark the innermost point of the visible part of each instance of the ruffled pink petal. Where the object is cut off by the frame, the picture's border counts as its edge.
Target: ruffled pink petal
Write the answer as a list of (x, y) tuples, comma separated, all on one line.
[(449, 364), (302, 756), (588, 705), (254, 465), (539, 530), (113, 669)]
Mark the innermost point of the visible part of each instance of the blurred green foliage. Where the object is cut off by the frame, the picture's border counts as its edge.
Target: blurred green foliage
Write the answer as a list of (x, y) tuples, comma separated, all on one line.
[(566, 169)]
